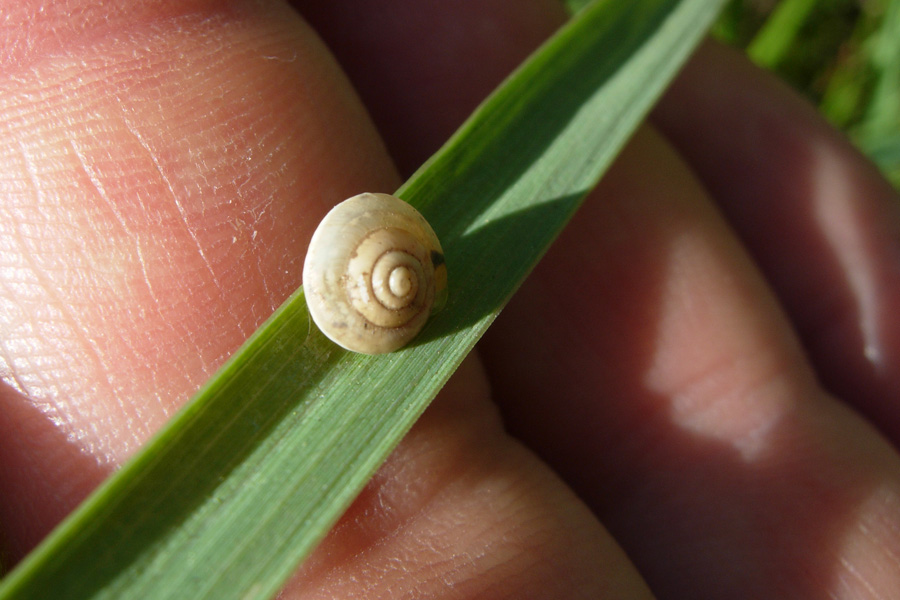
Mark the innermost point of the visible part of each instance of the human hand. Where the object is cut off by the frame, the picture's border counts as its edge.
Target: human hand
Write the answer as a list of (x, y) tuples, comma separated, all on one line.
[(164, 166)]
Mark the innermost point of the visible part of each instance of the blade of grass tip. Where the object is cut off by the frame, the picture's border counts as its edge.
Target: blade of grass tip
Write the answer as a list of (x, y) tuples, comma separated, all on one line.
[(774, 40), (242, 483)]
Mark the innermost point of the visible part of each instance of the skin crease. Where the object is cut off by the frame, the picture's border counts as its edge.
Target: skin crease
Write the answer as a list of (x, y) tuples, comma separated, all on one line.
[(147, 205)]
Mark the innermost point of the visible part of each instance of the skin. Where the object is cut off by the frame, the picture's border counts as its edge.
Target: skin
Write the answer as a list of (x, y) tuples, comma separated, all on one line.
[(714, 416)]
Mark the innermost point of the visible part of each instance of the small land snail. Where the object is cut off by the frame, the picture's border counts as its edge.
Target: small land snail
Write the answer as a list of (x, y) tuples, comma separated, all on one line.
[(373, 274)]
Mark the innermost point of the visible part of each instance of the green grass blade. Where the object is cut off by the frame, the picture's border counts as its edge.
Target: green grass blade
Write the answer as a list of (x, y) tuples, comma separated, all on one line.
[(241, 485), (882, 118), (775, 39)]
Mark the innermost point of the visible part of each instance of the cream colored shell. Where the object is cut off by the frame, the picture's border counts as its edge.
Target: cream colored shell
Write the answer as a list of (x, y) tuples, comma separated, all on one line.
[(374, 272)]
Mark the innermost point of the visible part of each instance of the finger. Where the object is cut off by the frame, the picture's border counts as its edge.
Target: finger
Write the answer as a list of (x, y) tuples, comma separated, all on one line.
[(162, 177), (646, 360), (422, 67), (816, 216)]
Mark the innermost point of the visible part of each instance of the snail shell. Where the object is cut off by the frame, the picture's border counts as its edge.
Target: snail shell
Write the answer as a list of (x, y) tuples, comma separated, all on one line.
[(373, 274)]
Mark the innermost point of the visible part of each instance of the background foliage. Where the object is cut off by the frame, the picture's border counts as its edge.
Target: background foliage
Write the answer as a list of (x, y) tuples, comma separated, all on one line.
[(844, 55)]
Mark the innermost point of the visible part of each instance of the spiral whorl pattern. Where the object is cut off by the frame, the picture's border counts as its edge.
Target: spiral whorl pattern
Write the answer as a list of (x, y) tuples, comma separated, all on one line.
[(372, 273), (390, 278)]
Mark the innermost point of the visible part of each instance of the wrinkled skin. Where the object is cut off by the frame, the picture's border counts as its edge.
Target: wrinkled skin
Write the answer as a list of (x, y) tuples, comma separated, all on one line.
[(695, 393)]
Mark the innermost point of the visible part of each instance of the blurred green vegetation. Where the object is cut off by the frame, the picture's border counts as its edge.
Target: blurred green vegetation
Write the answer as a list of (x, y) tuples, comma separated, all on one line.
[(844, 55)]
